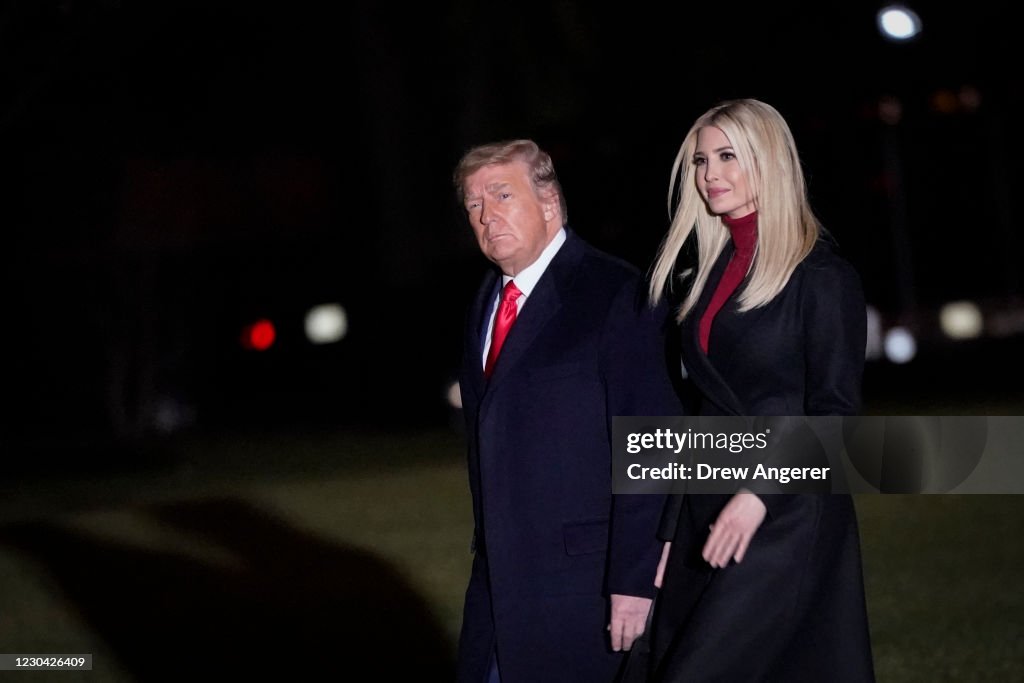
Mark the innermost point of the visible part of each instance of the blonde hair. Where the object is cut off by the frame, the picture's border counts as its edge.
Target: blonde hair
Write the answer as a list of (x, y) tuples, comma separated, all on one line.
[(786, 227)]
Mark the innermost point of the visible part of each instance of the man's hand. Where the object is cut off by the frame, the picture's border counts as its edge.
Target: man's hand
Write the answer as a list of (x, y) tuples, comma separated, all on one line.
[(629, 617), (732, 531)]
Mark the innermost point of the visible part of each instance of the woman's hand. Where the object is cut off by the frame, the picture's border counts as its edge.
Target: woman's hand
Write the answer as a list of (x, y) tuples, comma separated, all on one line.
[(732, 531)]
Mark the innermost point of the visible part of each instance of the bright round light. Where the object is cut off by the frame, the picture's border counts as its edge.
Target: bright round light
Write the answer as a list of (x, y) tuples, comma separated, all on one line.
[(326, 324), (900, 345), (961, 320), (897, 22)]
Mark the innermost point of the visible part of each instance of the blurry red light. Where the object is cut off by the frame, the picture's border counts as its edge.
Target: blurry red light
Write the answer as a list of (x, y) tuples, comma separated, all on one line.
[(259, 336)]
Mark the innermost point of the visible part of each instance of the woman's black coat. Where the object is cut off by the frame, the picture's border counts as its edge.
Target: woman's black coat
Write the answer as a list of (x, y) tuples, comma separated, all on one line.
[(794, 609)]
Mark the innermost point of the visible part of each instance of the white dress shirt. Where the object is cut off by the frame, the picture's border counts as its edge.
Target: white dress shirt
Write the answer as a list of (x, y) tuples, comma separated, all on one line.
[(525, 281)]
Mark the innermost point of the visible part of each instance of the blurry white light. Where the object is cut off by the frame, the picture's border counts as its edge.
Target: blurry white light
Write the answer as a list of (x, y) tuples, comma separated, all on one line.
[(900, 345), (961, 320), (326, 324), (455, 396), (873, 348), (898, 22)]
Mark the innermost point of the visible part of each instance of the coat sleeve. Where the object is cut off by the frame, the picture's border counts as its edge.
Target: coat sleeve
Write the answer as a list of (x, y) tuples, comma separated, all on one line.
[(834, 317), (637, 383)]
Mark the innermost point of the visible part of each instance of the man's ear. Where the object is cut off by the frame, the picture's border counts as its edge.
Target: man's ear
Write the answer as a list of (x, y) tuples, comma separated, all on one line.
[(549, 200)]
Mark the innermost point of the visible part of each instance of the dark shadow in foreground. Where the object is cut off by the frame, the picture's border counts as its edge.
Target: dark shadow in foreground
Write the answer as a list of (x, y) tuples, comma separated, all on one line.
[(292, 605)]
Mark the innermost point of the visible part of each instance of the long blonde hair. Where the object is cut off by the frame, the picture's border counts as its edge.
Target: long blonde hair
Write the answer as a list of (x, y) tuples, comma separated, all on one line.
[(786, 227)]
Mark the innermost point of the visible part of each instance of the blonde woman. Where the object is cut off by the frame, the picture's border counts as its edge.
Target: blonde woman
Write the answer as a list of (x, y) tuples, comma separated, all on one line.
[(758, 587)]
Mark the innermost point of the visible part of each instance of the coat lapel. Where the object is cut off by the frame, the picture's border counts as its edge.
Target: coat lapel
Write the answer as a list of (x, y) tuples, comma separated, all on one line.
[(476, 330), (697, 363), (543, 303)]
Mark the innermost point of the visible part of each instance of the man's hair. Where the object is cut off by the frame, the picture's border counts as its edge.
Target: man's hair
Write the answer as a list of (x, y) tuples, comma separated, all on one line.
[(542, 169)]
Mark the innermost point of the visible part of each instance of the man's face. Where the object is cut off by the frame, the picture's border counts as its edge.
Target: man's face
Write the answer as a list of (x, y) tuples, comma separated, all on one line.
[(512, 222)]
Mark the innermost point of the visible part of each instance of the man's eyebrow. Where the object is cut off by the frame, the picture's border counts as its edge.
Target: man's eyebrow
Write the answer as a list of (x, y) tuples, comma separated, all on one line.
[(490, 187)]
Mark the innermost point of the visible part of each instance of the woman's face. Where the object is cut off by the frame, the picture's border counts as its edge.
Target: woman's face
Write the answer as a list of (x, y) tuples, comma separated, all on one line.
[(720, 180)]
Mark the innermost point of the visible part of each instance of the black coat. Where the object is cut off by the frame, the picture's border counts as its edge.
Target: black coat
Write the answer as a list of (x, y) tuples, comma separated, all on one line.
[(794, 609), (551, 540)]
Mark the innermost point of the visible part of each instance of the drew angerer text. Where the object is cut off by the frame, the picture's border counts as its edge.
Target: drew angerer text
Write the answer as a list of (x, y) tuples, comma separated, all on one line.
[(702, 471)]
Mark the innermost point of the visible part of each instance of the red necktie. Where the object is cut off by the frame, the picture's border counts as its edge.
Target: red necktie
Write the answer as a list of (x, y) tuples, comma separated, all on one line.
[(503, 320)]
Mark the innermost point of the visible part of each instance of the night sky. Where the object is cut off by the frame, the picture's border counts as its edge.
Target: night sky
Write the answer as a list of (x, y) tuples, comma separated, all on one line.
[(175, 170)]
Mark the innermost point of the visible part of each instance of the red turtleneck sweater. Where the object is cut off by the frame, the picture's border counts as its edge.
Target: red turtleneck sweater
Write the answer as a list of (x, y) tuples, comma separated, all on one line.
[(744, 239)]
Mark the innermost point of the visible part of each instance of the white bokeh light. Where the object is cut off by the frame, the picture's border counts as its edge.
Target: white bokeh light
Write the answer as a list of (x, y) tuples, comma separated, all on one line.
[(900, 345), (897, 22), (326, 324), (961, 320), (454, 395), (873, 348)]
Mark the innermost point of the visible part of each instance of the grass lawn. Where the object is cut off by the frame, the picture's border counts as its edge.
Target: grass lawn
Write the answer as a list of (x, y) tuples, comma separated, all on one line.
[(280, 554)]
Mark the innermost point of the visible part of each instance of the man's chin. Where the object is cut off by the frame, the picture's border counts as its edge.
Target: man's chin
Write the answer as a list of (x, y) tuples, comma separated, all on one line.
[(501, 257)]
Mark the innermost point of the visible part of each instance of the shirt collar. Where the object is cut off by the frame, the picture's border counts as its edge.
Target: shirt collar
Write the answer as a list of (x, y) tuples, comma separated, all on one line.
[(528, 277)]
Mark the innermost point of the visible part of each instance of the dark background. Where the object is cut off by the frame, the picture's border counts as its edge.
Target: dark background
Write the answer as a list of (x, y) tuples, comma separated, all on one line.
[(172, 171)]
